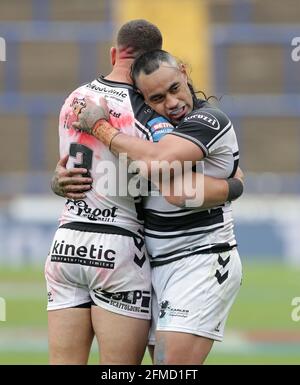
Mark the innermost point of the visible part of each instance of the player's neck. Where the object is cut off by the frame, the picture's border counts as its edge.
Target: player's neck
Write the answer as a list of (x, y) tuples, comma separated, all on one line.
[(121, 72)]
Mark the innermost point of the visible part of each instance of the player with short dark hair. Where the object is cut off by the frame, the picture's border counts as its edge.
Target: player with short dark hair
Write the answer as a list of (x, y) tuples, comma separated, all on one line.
[(138, 36), (97, 272)]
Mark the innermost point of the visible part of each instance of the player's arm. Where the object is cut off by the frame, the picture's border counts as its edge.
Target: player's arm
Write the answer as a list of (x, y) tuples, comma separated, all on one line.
[(169, 148), (69, 183), (194, 190), (154, 158)]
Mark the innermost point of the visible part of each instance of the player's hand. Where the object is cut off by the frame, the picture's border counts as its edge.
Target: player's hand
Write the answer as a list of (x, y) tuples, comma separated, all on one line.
[(70, 183), (90, 114)]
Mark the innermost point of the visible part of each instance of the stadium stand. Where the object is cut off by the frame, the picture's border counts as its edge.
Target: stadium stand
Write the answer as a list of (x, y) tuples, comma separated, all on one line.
[(53, 47)]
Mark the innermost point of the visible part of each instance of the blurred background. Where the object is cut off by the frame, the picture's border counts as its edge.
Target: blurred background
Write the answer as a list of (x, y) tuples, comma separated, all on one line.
[(240, 50)]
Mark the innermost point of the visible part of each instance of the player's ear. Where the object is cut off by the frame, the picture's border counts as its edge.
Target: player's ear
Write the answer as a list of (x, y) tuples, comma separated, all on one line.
[(113, 55), (182, 68)]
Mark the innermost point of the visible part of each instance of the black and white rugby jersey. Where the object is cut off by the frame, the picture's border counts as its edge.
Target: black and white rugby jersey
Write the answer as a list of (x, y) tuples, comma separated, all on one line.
[(173, 233), (108, 202)]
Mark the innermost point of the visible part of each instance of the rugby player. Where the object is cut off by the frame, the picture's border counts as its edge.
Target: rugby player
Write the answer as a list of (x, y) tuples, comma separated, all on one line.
[(196, 271)]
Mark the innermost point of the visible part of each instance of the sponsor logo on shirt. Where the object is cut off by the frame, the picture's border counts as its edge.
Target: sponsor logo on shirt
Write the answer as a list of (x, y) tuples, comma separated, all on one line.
[(109, 91), (204, 118), (81, 208), (159, 127)]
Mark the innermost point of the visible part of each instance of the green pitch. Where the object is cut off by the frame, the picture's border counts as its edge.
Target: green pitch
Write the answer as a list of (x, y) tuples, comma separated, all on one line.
[(260, 329)]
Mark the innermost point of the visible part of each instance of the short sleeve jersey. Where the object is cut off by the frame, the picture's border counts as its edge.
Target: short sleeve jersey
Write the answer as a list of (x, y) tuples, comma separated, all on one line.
[(109, 201), (172, 232)]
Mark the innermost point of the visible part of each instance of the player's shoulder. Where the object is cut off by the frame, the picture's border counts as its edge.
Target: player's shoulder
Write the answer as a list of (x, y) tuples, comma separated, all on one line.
[(76, 94), (81, 90), (208, 115)]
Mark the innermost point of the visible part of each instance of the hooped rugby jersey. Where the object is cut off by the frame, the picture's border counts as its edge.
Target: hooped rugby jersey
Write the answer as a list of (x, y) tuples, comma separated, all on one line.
[(173, 233), (109, 202)]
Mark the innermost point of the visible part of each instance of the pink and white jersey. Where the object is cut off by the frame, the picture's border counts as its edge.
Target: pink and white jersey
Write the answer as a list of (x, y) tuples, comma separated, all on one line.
[(108, 202)]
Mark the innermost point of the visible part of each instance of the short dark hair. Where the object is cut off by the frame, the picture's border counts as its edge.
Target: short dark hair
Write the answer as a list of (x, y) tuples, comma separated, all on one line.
[(139, 36)]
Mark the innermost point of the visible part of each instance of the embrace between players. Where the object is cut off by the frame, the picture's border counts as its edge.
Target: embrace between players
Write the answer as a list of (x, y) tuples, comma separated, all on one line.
[(156, 269)]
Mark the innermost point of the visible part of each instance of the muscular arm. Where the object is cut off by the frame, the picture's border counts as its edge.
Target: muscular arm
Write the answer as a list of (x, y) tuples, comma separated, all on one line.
[(198, 190), (169, 149), (70, 183)]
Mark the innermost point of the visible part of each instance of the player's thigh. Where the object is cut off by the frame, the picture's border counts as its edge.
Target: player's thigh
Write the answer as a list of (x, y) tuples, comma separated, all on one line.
[(122, 339), (70, 335), (153, 325), (175, 348), (122, 298)]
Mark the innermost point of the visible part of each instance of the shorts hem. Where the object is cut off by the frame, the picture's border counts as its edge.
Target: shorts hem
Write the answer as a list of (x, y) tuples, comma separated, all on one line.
[(199, 333), (66, 306)]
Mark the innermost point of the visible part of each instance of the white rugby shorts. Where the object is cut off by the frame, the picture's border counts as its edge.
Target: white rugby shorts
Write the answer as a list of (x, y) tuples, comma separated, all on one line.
[(194, 294), (110, 270)]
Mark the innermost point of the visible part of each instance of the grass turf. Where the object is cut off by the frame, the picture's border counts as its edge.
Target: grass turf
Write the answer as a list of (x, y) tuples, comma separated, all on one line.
[(263, 304)]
